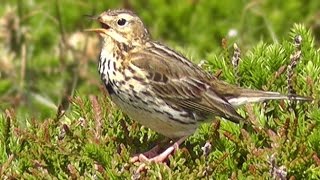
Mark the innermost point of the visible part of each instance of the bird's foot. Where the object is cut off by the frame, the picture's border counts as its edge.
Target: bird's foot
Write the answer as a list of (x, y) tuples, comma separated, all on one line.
[(149, 154), (158, 158), (153, 155)]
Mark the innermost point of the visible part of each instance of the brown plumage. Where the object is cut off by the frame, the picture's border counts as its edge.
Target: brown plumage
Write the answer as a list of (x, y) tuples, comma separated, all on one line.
[(160, 88)]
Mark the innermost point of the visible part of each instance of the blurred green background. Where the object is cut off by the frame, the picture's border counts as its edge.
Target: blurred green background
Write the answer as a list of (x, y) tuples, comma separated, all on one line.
[(45, 56)]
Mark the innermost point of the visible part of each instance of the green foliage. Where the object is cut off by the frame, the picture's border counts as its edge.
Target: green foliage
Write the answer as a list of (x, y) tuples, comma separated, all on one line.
[(42, 72)]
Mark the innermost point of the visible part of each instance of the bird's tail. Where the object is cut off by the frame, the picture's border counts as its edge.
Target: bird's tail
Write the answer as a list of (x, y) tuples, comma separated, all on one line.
[(251, 96)]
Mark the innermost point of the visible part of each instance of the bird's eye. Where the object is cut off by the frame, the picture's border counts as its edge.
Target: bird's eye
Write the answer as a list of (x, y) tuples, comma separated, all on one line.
[(122, 22)]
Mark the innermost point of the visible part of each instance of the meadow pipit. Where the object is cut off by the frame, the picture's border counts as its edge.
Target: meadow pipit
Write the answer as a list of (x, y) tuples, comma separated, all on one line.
[(160, 88)]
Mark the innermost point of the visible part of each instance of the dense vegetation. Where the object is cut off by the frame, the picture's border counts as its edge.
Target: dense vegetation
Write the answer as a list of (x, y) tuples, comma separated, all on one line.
[(56, 120)]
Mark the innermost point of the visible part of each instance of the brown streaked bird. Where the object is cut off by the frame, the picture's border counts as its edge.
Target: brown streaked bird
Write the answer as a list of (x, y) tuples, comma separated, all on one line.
[(160, 88)]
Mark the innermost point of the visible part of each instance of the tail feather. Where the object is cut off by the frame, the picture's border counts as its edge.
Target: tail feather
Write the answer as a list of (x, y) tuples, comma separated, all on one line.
[(252, 96)]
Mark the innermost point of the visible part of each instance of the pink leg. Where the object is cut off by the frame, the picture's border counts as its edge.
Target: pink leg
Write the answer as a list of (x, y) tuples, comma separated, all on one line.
[(160, 157), (156, 158), (151, 153)]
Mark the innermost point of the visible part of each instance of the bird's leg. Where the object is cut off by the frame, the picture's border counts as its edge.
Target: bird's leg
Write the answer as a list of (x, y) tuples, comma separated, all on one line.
[(153, 156), (151, 153)]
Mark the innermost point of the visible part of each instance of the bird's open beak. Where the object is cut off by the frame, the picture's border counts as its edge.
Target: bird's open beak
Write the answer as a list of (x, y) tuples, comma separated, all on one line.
[(104, 27), (101, 31)]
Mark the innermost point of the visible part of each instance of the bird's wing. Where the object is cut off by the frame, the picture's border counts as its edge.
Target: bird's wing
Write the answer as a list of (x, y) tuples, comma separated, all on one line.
[(179, 82)]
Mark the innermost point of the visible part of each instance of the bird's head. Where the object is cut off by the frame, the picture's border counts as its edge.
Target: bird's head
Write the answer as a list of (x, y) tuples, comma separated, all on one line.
[(122, 26)]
